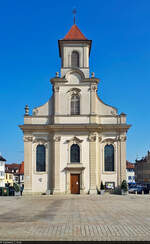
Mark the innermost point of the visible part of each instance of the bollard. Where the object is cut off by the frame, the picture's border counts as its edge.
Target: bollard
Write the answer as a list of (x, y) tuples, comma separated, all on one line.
[(142, 192)]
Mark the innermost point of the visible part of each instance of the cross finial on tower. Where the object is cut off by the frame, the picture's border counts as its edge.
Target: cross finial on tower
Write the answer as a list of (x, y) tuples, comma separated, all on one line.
[(74, 13)]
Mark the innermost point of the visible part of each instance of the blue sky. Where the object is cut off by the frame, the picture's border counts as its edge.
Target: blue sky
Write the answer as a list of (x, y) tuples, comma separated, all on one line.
[(120, 57)]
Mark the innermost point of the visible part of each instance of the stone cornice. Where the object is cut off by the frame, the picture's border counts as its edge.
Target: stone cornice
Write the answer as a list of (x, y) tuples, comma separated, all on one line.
[(68, 115), (75, 166), (91, 80), (58, 80), (76, 127)]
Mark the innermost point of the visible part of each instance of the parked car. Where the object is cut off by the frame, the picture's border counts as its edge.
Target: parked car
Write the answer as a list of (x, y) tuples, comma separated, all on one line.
[(132, 190), (138, 189)]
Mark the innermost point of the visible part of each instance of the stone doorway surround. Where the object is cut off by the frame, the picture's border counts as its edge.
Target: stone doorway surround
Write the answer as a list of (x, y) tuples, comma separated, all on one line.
[(74, 169)]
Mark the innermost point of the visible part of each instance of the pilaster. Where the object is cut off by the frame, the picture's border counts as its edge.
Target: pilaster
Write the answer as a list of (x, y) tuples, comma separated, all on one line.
[(93, 90), (56, 160), (92, 161), (118, 163), (123, 157), (99, 163), (27, 164), (49, 143), (56, 101)]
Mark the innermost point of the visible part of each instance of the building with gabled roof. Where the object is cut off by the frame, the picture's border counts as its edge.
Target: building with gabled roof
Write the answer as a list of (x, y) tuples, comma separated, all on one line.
[(14, 173), (75, 141), (142, 170), (2, 171), (130, 172)]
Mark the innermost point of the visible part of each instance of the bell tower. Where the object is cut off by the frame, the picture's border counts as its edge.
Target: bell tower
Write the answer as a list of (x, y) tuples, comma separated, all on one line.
[(74, 51)]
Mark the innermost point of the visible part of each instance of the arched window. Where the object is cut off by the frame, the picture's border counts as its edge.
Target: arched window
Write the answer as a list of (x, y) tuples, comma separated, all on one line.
[(75, 105), (75, 59), (109, 157), (40, 158), (75, 154)]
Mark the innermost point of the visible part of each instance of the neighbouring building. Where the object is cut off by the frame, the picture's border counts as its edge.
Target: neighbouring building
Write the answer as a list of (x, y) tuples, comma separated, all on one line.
[(142, 170), (130, 172), (14, 173), (75, 140), (2, 171), (21, 174), (11, 171)]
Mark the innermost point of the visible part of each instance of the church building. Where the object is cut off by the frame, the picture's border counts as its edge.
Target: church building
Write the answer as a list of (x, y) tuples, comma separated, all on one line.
[(75, 141)]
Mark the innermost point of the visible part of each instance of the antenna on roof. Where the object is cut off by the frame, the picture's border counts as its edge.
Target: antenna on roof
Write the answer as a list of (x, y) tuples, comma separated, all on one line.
[(74, 13)]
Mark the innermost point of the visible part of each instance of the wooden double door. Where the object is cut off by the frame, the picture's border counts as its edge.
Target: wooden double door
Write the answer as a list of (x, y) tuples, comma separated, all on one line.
[(75, 183)]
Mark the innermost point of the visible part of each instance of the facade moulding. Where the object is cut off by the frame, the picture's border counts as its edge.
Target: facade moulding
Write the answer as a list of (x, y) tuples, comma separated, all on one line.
[(28, 138), (73, 71), (74, 91), (40, 140), (74, 140), (68, 115), (93, 88), (56, 88), (57, 138), (72, 167), (92, 137), (91, 80), (110, 140), (58, 80), (83, 127)]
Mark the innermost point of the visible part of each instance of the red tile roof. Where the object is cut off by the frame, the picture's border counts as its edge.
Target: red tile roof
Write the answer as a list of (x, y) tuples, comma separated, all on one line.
[(129, 165), (21, 170), (16, 168), (74, 34), (12, 166)]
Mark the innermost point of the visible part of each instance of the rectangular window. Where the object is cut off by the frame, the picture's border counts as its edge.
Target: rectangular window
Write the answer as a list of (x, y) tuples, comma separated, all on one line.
[(10, 177)]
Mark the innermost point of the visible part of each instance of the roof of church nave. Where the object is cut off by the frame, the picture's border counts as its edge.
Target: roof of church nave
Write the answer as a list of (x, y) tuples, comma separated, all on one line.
[(74, 34)]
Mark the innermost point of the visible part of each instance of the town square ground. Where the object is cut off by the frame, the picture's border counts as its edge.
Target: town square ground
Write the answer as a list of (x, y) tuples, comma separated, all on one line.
[(75, 217)]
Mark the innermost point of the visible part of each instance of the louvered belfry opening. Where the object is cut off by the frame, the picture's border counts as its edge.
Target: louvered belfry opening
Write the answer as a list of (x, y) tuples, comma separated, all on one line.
[(75, 105), (75, 59)]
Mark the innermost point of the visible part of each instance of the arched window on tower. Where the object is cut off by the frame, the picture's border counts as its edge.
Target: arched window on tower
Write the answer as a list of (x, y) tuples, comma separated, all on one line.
[(109, 157), (75, 105), (75, 59), (75, 153), (40, 158)]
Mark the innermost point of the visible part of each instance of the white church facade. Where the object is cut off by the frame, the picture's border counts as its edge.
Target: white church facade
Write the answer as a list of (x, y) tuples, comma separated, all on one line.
[(75, 141)]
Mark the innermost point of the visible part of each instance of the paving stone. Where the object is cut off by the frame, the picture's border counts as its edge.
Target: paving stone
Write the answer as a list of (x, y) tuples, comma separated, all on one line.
[(75, 217)]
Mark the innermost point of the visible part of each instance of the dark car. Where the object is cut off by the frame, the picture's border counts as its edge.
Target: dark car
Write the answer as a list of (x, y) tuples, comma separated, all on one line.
[(133, 190), (139, 189)]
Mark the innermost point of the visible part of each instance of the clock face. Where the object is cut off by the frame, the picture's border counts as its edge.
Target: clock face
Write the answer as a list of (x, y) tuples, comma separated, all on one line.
[(73, 78)]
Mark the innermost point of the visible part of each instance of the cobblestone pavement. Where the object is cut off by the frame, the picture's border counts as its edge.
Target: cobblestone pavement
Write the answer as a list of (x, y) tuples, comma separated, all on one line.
[(75, 217)]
